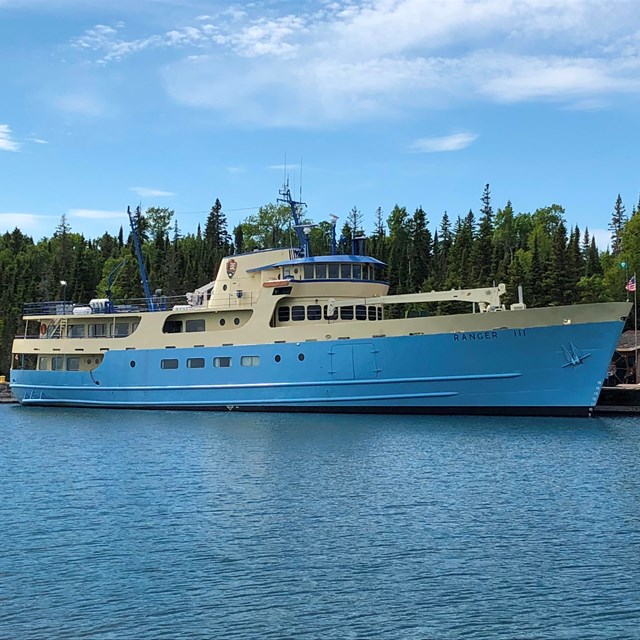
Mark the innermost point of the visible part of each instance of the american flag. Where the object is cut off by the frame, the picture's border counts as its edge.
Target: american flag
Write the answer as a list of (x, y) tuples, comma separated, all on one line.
[(631, 285)]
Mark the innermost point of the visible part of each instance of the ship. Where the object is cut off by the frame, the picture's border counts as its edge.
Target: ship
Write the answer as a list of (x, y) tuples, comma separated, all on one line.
[(282, 330)]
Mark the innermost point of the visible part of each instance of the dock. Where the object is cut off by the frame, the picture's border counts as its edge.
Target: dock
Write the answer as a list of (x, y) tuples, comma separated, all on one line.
[(5, 394), (621, 399)]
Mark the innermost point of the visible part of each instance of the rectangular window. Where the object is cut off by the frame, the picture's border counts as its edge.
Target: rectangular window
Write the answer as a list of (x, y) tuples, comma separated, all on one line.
[(169, 363), (321, 271), (43, 363), (372, 313), (73, 363), (250, 361), (361, 312), (172, 326), (98, 330), (314, 312), (194, 325), (346, 313), (357, 272), (345, 271), (379, 313), (334, 271), (222, 361), (297, 312), (57, 363), (75, 331), (334, 315), (283, 314), (195, 363), (121, 329), (308, 272)]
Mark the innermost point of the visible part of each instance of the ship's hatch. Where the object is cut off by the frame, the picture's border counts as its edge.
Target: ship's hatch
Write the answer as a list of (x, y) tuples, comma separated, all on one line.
[(354, 362)]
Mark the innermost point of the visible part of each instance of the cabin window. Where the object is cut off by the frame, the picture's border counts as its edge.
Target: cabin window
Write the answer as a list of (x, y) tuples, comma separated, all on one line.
[(314, 312), (334, 271), (333, 316), (372, 313), (222, 362), (169, 363), (192, 326), (250, 361), (236, 321), (345, 271), (73, 363), (172, 326), (26, 361), (43, 363), (357, 272), (195, 363), (321, 271), (365, 272), (57, 363), (361, 312), (308, 272), (98, 330), (121, 329), (75, 331), (283, 314), (297, 312), (222, 322), (346, 313)]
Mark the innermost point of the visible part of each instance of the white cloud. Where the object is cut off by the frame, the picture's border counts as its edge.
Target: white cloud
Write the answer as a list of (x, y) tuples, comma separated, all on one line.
[(24, 221), (96, 214), (6, 142), (146, 192), (349, 60), (38, 140), (454, 142), (283, 167), (84, 104)]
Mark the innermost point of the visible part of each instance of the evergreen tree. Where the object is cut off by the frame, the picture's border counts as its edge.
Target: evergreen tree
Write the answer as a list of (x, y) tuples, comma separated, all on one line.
[(616, 226), (482, 253)]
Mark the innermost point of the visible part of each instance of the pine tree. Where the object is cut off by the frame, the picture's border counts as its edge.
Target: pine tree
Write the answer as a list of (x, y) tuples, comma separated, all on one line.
[(482, 254), (616, 226)]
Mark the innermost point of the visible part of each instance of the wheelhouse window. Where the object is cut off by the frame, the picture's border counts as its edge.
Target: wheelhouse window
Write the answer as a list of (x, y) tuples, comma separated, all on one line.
[(321, 271), (334, 271), (361, 312), (169, 363), (250, 361), (308, 272), (284, 314), (222, 362), (192, 326), (195, 363), (357, 272), (345, 271)]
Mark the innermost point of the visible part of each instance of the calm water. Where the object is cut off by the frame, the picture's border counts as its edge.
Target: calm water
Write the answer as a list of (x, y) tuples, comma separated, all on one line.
[(208, 525)]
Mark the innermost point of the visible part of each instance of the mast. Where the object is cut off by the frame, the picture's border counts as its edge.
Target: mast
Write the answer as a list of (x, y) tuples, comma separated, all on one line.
[(133, 221), (296, 207)]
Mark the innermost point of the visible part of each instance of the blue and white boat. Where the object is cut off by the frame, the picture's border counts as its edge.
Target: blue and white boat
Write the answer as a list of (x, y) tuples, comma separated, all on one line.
[(279, 330)]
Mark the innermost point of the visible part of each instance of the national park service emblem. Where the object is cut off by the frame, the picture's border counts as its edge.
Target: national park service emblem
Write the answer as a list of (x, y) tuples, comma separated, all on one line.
[(232, 265)]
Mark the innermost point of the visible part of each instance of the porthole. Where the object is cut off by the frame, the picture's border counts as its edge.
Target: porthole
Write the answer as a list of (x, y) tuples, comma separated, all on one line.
[(236, 321), (277, 358), (222, 322), (224, 287), (301, 357), (132, 364)]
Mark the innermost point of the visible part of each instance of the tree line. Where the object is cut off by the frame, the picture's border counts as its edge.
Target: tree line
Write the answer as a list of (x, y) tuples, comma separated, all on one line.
[(554, 263)]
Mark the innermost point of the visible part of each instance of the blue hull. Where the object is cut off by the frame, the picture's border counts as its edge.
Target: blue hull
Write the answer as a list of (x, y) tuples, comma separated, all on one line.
[(543, 370)]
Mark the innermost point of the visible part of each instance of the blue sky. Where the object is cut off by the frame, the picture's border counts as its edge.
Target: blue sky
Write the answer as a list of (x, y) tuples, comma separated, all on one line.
[(109, 103)]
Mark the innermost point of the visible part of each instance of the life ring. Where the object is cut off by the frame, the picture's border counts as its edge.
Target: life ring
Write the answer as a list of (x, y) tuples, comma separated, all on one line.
[(43, 329)]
